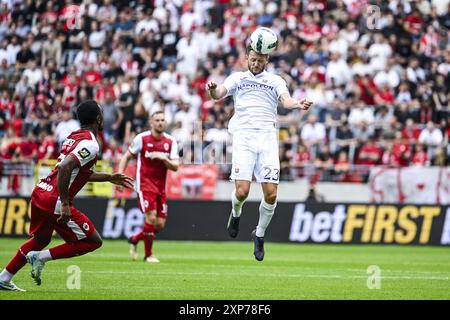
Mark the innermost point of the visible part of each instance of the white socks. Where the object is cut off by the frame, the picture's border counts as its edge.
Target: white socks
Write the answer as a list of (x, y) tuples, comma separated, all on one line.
[(45, 255), (266, 211), (236, 204), (6, 276)]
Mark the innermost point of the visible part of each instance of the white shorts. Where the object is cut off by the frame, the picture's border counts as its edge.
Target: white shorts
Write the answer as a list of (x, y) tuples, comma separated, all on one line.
[(255, 152)]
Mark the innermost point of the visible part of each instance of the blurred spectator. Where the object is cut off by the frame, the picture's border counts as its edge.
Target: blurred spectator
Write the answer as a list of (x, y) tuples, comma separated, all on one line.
[(97, 37), (388, 75), (313, 133), (65, 127), (28, 148), (187, 58), (420, 157), (51, 49), (313, 195), (300, 159), (432, 138), (33, 73), (337, 73), (85, 57), (401, 150), (47, 148), (379, 52), (342, 164), (361, 115), (113, 152), (344, 138), (112, 117), (410, 132), (324, 160), (440, 158), (370, 153), (383, 118)]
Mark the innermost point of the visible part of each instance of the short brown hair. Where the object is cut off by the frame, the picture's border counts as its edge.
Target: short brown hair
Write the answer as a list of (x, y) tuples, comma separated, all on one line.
[(156, 112), (249, 48)]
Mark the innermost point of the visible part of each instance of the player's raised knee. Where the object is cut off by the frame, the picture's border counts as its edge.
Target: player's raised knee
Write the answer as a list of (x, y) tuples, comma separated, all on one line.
[(42, 240)]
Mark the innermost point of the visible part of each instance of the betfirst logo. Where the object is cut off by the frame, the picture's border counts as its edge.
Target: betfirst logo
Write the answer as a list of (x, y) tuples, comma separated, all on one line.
[(355, 223), (14, 216)]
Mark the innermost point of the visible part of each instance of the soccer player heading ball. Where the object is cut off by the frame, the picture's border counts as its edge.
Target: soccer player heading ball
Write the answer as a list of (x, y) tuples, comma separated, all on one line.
[(256, 95), (52, 201)]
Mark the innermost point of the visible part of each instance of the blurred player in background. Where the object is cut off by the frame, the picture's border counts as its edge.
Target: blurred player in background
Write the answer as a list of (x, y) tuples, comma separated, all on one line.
[(256, 94), (156, 152), (52, 201)]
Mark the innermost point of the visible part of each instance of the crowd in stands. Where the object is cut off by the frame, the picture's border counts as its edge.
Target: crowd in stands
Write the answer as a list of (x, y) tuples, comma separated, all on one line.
[(379, 79)]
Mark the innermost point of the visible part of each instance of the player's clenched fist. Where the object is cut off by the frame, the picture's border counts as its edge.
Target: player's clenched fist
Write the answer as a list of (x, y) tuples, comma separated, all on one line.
[(305, 104), (211, 85)]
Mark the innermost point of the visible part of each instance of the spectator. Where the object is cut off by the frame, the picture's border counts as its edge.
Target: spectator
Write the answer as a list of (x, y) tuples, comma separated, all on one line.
[(388, 158), (324, 160), (113, 152), (379, 52), (420, 157), (360, 115), (112, 117), (28, 148), (65, 127), (300, 160), (97, 37), (410, 132), (187, 58), (342, 164), (92, 75), (440, 158), (85, 57), (51, 49), (47, 149), (337, 73), (13, 48), (313, 132), (370, 153), (107, 14), (401, 150), (313, 195), (388, 75), (344, 138), (384, 118), (33, 74), (432, 138)]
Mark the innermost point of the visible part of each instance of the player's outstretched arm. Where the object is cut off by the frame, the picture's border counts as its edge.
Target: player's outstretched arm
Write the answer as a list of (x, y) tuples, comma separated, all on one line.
[(65, 169), (124, 161), (289, 103), (122, 165), (215, 91), (119, 179)]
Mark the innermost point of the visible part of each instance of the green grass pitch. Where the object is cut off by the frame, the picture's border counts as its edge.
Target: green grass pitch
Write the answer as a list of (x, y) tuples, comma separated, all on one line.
[(228, 270)]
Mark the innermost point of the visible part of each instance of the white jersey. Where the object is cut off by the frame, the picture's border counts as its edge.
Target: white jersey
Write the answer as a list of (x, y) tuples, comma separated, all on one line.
[(255, 99)]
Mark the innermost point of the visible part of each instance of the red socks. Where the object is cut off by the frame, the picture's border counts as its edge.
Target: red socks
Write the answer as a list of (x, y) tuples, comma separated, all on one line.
[(19, 260), (149, 236), (138, 237), (69, 250)]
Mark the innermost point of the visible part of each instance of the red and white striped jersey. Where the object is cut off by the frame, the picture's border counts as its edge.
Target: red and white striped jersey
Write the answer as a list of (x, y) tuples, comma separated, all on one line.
[(83, 147), (151, 174)]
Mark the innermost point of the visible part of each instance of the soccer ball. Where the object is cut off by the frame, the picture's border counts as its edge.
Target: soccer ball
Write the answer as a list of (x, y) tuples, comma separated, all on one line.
[(264, 40)]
